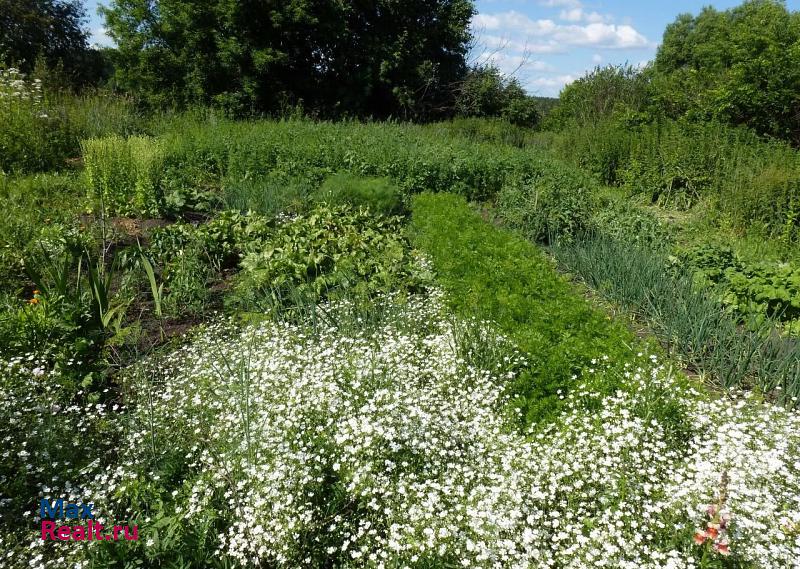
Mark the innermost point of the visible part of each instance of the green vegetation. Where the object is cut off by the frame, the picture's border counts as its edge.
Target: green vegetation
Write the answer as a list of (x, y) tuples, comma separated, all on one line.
[(739, 66), (385, 59), (41, 130), (690, 321), (731, 172), (122, 174), (377, 194), (320, 254), (290, 342), (756, 290), (486, 92), (49, 33), (498, 276)]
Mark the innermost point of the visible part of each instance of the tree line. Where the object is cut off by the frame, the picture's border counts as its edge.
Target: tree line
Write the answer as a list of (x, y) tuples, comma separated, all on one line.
[(739, 66), (408, 60), (332, 58)]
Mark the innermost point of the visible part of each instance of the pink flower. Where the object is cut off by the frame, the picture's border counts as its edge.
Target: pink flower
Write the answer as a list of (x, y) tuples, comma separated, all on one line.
[(700, 537)]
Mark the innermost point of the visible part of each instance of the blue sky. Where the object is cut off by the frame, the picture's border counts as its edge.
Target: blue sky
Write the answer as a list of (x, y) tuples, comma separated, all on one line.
[(548, 43)]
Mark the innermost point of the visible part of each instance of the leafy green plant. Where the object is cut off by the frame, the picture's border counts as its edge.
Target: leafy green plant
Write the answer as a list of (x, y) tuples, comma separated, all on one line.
[(324, 253), (76, 307), (759, 290), (186, 278), (222, 239), (623, 220), (553, 202)]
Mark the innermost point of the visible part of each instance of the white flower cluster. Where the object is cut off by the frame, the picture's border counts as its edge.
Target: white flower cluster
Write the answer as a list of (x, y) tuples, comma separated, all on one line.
[(15, 87), (758, 450), (390, 447)]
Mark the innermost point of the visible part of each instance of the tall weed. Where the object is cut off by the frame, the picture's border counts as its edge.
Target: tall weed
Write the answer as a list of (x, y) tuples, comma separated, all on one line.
[(123, 174), (678, 164)]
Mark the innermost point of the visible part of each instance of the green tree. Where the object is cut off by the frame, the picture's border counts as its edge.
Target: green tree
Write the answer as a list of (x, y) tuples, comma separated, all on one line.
[(741, 66), (51, 31), (603, 92), (367, 57), (486, 92)]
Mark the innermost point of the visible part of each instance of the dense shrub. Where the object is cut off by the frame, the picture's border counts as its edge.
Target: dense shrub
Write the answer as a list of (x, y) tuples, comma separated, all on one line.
[(33, 137), (378, 194), (624, 220), (487, 92), (678, 164), (40, 131), (522, 111), (740, 66), (554, 202), (600, 94)]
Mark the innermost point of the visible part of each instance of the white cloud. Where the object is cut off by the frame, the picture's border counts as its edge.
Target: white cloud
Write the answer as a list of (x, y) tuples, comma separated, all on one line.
[(511, 39), (99, 37), (519, 64), (579, 15), (546, 32), (491, 43), (561, 3), (550, 85)]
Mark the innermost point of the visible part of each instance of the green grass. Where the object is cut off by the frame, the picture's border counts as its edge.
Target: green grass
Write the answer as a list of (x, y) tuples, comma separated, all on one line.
[(497, 275)]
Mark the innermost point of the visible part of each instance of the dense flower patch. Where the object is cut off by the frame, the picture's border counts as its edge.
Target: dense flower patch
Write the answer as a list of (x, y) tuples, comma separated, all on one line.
[(385, 443)]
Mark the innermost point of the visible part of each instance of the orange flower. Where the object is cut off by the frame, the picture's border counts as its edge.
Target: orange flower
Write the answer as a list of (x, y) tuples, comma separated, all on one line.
[(36, 292), (700, 537), (713, 531), (722, 548)]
